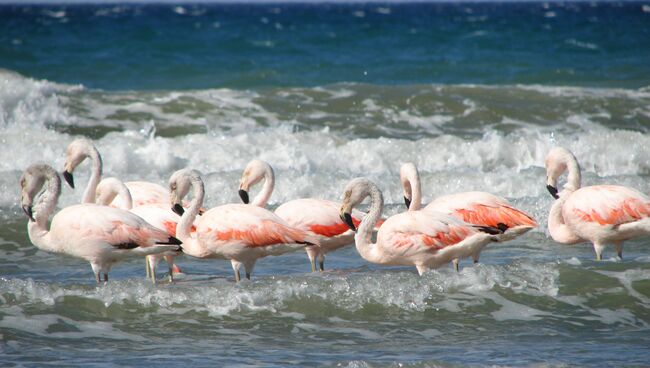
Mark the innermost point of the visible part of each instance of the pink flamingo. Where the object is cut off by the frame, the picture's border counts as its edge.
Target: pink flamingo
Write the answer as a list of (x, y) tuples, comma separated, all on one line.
[(317, 217), (99, 234), (600, 214), (111, 188), (476, 208), (142, 193), (421, 239), (238, 232)]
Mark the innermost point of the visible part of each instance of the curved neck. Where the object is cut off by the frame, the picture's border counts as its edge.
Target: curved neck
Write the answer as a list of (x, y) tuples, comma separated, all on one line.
[(95, 176), (187, 220), (111, 188), (560, 232), (412, 189), (574, 176), (267, 189), (363, 237), (38, 230)]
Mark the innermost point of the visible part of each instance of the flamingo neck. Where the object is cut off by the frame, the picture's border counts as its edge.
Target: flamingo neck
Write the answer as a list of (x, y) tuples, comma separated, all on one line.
[(267, 189), (187, 220), (574, 176), (410, 178), (95, 176), (363, 237), (38, 230), (559, 230), (111, 188)]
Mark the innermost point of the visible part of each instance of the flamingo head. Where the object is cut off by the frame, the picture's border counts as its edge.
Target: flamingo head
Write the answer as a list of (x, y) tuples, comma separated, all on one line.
[(409, 177), (255, 171), (179, 185), (355, 192), (556, 163), (77, 151), (31, 183)]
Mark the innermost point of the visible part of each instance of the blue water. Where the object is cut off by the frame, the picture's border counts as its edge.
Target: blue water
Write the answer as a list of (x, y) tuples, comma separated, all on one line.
[(475, 94), (119, 47)]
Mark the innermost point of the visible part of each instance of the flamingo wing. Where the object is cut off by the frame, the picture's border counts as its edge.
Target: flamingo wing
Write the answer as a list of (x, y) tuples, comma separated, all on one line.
[(608, 205), (119, 228), (254, 226), (318, 216), (422, 232), (483, 209)]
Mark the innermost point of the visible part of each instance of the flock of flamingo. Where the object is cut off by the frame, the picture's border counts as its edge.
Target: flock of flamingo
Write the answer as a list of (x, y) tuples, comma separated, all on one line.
[(117, 220)]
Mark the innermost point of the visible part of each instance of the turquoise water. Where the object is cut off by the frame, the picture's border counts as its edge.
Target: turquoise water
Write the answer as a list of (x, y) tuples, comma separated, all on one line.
[(475, 94), (119, 47)]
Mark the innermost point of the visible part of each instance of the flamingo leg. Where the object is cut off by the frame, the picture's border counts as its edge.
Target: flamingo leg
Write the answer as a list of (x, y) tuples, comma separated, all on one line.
[(170, 264), (237, 276), (146, 266), (313, 264), (105, 277), (475, 258), (455, 263), (619, 249), (598, 248), (321, 263), (248, 275), (98, 278)]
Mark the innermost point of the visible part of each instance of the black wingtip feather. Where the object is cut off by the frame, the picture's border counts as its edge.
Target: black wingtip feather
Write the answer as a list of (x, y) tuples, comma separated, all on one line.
[(489, 230), (171, 241)]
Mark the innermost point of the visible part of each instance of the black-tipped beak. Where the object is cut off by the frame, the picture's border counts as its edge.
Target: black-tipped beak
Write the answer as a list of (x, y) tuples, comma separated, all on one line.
[(28, 212), (407, 202), (243, 195), (178, 209), (68, 178), (553, 191), (347, 218)]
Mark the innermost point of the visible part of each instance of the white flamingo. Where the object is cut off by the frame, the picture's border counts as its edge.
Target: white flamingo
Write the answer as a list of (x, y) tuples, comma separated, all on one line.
[(98, 234)]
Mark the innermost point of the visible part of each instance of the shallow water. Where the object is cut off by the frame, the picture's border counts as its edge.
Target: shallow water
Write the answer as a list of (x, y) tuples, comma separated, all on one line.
[(530, 302)]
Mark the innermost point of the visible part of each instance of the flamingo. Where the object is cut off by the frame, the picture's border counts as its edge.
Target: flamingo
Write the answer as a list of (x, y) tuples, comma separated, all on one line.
[(600, 214), (476, 208), (142, 193), (111, 188), (238, 232), (318, 217), (417, 238), (99, 234)]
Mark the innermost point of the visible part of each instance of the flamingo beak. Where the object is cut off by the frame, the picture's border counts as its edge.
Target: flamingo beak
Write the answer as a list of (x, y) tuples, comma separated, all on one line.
[(407, 202), (28, 211), (178, 209), (553, 191), (244, 196), (69, 178), (347, 218)]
